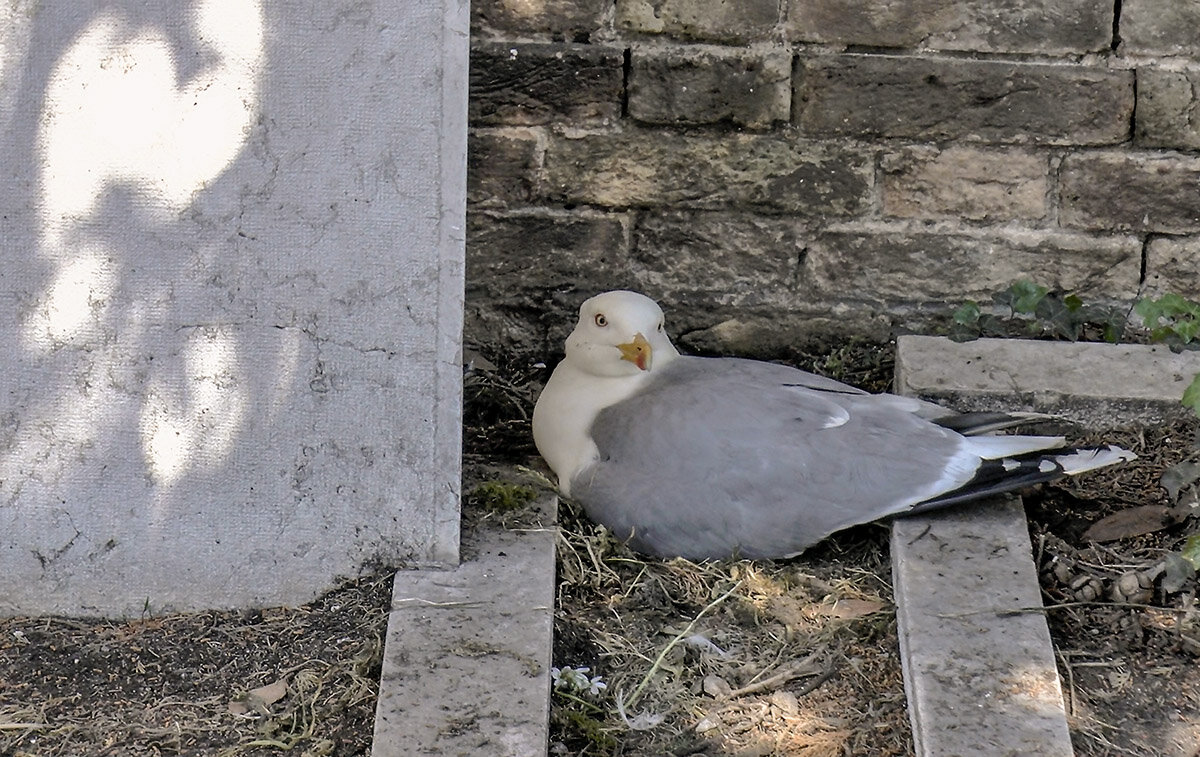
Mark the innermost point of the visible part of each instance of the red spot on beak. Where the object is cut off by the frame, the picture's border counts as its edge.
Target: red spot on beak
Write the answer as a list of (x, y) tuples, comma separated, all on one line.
[(637, 352)]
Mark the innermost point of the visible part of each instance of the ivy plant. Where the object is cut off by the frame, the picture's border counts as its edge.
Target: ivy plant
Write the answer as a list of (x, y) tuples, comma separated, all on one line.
[(1029, 309), (1175, 321)]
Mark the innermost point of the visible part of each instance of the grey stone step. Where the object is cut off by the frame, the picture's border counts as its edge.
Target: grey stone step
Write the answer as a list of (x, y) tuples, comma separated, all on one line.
[(982, 681), (1089, 383), (978, 682), (466, 668)]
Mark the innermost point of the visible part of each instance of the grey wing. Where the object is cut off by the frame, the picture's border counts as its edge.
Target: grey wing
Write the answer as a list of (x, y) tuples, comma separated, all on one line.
[(721, 457), (786, 376)]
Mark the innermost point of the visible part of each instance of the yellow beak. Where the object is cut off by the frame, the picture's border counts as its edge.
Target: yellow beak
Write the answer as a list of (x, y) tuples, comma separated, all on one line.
[(637, 352)]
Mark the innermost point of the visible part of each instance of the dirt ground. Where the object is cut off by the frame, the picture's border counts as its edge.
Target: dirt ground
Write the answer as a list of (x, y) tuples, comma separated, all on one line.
[(724, 659), (302, 680), (1130, 663)]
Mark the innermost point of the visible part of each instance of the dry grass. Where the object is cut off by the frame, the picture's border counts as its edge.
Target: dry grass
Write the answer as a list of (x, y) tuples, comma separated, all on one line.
[(1130, 679), (731, 657)]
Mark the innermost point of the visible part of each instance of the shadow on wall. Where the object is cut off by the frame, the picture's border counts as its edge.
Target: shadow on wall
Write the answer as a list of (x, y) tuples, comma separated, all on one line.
[(230, 287), (136, 118), (139, 111), (123, 116)]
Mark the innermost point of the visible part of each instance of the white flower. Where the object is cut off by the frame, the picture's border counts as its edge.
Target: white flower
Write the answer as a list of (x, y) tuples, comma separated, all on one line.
[(575, 680), (595, 686)]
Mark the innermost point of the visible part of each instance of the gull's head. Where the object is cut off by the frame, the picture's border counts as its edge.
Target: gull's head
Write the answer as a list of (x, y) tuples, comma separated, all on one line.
[(620, 334)]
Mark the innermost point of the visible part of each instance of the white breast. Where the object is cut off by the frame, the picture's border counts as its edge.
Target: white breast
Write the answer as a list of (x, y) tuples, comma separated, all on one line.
[(563, 417)]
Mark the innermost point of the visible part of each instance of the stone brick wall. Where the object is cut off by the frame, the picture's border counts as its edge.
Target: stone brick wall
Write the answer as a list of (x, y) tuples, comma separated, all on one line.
[(774, 170)]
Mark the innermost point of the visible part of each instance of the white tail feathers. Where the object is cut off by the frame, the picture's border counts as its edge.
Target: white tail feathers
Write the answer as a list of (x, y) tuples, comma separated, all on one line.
[(996, 447), (1090, 459)]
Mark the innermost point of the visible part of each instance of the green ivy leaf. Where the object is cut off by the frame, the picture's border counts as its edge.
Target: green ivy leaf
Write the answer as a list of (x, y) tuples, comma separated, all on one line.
[(1187, 329), (1173, 304), (1191, 395), (1161, 334), (1191, 550), (1026, 295), (967, 313), (1144, 307), (1073, 302), (1150, 311), (1113, 332)]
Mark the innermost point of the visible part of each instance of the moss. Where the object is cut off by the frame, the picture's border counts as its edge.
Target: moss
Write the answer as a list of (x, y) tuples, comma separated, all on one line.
[(500, 496), (582, 732)]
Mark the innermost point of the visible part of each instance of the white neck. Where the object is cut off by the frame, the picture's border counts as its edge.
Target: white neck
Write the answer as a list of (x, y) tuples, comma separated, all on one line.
[(563, 417)]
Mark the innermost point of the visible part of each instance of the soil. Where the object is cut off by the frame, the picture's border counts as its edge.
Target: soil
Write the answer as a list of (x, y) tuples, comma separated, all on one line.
[(303, 679), (724, 659), (1130, 665)]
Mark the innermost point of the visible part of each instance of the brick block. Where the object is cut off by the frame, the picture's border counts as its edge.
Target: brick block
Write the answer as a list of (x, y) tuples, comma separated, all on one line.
[(570, 20), (774, 172), (1006, 26), (1160, 27), (501, 167), (719, 260), (517, 253), (1173, 265), (940, 98), (704, 85), (890, 263), (1168, 108), (965, 182), (731, 21), (1130, 191), (515, 260), (525, 84)]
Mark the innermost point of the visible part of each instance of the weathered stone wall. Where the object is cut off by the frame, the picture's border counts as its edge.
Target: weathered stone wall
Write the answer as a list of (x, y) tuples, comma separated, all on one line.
[(776, 168)]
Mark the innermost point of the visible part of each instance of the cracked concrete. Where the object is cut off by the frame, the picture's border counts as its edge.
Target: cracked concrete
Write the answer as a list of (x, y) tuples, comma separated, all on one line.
[(180, 322)]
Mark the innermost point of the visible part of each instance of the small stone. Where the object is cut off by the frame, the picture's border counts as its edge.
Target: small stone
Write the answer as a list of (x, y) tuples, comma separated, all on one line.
[(1086, 588), (716, 686), (1061, 572), (706, 725), (785, 702), (1134, 587)]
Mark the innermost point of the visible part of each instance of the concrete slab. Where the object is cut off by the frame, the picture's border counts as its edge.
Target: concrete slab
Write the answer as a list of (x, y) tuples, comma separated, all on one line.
[(979, 681), (231, 307), (466, 667), (1092, 384)]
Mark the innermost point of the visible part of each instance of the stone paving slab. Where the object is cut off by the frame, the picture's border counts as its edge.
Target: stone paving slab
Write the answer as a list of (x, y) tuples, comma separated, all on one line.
[(466, 668), (1093, 384), (981, 681)]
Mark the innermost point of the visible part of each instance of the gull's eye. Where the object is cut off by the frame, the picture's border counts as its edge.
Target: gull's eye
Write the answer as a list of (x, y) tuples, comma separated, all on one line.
[(600, 320), (660, 327)]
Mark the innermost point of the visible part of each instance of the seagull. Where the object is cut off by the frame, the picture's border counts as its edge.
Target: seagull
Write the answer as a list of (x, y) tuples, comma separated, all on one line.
[(711, 458)]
